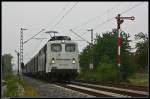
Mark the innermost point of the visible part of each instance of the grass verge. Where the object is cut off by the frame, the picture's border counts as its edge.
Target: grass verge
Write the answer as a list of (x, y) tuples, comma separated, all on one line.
[(29, 90), (139, 79), (12, 82)]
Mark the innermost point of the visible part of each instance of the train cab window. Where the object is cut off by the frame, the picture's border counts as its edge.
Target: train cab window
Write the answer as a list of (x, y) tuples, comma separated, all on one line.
[(70, 47), (56, 47)]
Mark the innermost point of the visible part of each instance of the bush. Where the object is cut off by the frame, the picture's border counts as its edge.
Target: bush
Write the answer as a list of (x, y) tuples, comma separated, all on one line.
[(127, 71), (139, 79), (104, 59), (107, 72), (87, 74), (103, 72), (11, 85)]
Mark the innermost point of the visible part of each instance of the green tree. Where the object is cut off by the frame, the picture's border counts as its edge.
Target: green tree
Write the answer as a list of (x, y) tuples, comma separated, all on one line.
[(107, 72), (105, 45), (105, 51), (142, 50), (6, 64), (85, 58)]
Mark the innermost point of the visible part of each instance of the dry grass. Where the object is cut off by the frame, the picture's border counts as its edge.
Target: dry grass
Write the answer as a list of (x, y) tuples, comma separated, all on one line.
[(29, 90), (139, 79)]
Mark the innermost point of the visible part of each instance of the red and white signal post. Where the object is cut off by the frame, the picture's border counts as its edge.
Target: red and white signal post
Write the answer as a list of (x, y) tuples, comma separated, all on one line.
[(120, 20)]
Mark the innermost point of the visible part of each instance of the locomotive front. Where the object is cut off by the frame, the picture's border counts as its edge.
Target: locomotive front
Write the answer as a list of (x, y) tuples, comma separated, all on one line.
[(62, 58)]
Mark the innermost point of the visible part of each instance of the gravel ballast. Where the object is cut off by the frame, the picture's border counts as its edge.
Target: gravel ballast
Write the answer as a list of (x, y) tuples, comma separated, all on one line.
[(51, 90)]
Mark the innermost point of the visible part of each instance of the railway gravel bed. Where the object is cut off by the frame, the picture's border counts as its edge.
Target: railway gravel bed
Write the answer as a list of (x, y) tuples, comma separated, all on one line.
[(51, 90)]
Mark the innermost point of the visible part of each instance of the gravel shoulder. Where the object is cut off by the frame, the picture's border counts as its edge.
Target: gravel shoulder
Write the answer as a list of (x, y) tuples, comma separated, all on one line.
[(51, 90)]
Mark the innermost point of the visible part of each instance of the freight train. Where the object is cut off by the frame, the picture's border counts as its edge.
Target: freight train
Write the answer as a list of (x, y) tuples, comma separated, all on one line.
[(57, 60)]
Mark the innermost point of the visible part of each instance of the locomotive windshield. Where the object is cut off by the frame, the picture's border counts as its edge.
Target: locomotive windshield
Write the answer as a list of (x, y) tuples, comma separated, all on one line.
[(56, 47), (70, 47)]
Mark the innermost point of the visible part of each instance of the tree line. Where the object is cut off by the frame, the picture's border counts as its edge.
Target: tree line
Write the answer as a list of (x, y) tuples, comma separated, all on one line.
[(104, 51), (6, 64)]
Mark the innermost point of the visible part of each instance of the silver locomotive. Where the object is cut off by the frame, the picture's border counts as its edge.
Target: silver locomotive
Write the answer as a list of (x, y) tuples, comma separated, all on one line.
[(58, 59)]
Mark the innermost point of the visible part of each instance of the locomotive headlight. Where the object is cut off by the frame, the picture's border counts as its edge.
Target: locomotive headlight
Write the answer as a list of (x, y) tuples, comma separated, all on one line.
[(63, 41), (53, 61), (73, 61)]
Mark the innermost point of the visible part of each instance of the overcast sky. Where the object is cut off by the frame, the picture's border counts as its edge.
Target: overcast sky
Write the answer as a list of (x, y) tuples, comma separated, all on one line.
[(80, 16)]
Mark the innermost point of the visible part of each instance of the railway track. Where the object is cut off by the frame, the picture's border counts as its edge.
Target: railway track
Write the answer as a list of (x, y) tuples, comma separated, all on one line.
[(128, 86), (103, 91)]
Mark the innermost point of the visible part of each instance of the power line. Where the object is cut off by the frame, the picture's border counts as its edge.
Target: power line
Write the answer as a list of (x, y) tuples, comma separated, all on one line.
[(95, 17), (132, 8), (108, 10), (45, 26), (41, 43), (108, 20), (32, 50), (36, 45), (65, 14), (63, 9), (121, 13), (100, 24), (79, 36), (33, 36)]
